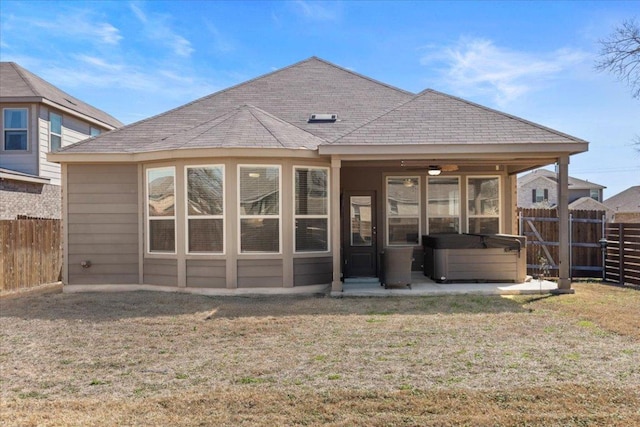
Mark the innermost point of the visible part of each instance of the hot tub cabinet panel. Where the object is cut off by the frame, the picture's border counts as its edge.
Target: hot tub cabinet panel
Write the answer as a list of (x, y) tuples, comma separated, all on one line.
[(471, 257)]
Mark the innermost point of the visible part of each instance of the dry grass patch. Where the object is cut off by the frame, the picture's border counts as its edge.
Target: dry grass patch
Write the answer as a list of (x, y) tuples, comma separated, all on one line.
[(147, 358)]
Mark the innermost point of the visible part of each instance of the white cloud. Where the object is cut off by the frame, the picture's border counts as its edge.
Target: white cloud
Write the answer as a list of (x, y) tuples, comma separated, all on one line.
[(478, 66), (156, 28), (317, 10), (220, 42)]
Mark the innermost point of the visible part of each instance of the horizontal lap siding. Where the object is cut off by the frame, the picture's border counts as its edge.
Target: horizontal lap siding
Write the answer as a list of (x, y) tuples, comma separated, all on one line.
[(102, 223), (163, 272), (312, 271), (206, 273), (260, 273)]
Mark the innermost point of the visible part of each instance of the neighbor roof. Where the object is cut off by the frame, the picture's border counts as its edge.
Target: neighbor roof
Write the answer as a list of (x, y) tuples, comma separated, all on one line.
[(574, 183), (19, 83), (625, 201)]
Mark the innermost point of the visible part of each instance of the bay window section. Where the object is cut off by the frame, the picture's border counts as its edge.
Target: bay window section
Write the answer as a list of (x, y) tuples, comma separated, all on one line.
[(443, 205), (15, 129), (311, 209), (483, 196), (205, 209), (259, 196), (403, 210), (161, 216)]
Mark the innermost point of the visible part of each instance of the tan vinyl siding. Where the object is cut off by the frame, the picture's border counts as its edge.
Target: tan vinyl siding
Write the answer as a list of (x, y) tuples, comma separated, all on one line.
[(312, 271), (102, 223), (260, 273), (160, 271), (205, 273)]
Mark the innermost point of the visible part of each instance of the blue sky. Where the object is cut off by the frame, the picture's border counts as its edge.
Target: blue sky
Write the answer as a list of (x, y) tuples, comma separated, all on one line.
[(531, 59)]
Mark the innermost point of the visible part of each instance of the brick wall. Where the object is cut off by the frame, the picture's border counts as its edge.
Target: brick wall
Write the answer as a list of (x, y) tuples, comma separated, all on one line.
[(30, 199)]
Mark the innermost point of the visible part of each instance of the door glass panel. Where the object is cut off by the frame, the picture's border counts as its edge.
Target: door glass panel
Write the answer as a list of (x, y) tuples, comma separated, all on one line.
[(361, 234)]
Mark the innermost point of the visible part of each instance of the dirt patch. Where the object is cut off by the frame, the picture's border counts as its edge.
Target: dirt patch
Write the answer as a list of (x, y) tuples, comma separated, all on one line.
[(147, 358)]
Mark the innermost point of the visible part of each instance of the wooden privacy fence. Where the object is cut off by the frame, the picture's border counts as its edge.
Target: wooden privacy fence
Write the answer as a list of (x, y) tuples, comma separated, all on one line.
[(30, 253), (622, 263), (541, 226)]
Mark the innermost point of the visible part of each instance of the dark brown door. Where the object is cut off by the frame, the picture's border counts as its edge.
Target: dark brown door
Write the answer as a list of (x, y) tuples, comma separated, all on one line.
[(359, 234)]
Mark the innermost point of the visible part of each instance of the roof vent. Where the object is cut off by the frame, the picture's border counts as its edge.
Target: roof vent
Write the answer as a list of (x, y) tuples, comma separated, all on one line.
[(322, 118)]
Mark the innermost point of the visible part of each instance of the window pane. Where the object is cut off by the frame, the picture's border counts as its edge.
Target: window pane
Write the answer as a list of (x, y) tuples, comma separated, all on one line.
[(94, 131), (205, 235), (444, 225), (259, 190), (483, 225), (15, 119), (205, 189), (444, 197), (483, 196), (56, 142), (162, 236), (403, 231), (311, 234), (56, 123), (15, 140), (161, 192), (403, 196), (311, 192), (260, 235), (361, 234)]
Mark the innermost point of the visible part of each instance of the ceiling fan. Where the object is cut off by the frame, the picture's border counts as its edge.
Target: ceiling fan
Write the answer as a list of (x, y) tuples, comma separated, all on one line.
[(432, 168)]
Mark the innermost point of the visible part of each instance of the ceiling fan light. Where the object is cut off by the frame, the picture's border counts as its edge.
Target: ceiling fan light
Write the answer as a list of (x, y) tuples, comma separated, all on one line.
[(434, 170)]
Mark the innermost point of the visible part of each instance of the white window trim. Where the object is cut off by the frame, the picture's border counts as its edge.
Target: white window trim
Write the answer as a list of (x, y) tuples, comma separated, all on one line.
[(4, 128), (500, 200), (163, 218), (241, 216), (51, 132), (188, 217), (460, 202), (386, 209), (295, 216)]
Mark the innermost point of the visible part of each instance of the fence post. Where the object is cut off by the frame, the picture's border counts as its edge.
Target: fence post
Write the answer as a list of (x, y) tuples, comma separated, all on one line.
[(621, 252)]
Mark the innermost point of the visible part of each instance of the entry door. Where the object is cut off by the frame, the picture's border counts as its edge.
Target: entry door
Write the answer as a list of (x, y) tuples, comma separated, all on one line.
[(359, 234)]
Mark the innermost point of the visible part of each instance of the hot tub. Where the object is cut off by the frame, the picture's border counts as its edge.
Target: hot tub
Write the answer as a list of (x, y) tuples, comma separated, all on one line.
[(475, 257)]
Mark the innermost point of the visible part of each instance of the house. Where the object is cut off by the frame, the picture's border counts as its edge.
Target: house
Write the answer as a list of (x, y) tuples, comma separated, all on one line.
[(625, 205), (293, 181), (589, 204), (539, 188), (37, 118)]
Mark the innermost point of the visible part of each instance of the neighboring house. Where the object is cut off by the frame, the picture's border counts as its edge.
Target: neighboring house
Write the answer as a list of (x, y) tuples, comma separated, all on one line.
[(36, 118), (625, 205), (292, 181), (589, 204), (540, 189)]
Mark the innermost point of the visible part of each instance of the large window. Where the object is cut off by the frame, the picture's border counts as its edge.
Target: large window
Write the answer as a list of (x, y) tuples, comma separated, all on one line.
[(483, 196), (259, 208), (443, 205), (205, 209), (403, 210), (55, 131), (311, 209), (161, 230), (15, 129)]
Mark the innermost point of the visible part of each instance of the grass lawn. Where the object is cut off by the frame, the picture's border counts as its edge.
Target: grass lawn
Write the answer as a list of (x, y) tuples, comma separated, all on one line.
[(147, 358)]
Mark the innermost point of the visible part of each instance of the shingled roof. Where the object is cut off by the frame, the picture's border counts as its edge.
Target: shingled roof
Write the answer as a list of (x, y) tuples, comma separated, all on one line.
[(273, 111), (17, 83), (574, 183)]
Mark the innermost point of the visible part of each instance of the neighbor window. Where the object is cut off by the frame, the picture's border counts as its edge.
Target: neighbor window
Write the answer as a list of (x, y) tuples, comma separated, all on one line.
[(94, 131), (15, 129), (403, 210), (483, 196), (55, 131), (594, 194), (311, 209), (259, 208), (443, 205), (161, 211), (205, 209), (538, 195)]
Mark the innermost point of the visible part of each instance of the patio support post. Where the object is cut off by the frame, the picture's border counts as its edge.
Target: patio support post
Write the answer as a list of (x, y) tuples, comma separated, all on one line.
[(336, 284), (564, 281)]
